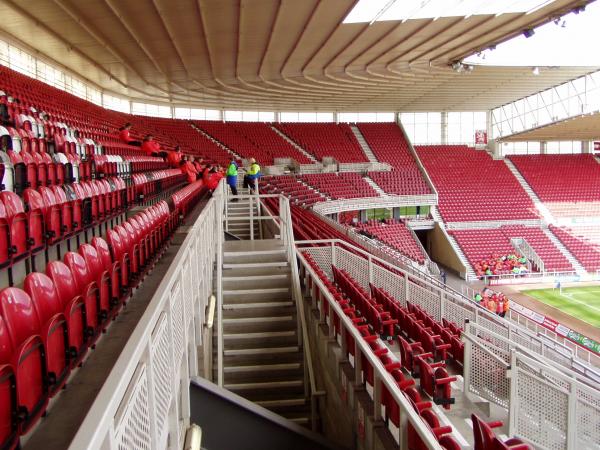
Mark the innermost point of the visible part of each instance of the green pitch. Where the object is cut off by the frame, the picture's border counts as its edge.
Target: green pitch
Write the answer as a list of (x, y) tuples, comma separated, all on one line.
[(580, 302)]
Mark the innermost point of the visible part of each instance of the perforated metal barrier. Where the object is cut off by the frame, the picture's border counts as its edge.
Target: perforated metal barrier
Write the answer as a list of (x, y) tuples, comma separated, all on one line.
[(144, 403)]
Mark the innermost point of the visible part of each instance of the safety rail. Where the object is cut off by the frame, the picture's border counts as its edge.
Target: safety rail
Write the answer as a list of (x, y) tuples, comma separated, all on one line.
[(525, 249), (439, 301), (549, 404), (287, 234), (381, 375), (389, 201), (144, 402)]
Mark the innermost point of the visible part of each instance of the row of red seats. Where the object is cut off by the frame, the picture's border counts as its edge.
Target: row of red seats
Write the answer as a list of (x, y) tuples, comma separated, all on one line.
[(474, 187), (340, 185), (551, 177), (325, 139), (47, 328), (583, 243), (291, 187), (391, 364), (397, 235)]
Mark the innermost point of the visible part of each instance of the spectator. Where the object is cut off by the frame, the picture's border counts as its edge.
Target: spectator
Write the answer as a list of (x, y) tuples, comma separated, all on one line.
[(188, 169), (150, 146), (444, 276), (478, 298), (174, 157), (232, 173), (252, 174), (214, 177), (197, 164), (4, 116), (506, 307), (125, 137)]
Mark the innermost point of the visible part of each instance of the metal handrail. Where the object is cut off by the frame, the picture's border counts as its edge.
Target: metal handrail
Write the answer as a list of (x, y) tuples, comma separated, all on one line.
[(381, 373)]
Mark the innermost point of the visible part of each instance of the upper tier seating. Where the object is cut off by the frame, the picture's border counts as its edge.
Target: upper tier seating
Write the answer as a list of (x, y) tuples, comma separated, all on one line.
[(583, 242), (340, 185), (474, 187), (389, 145), (325, 139), (553, 177), (395, 234), (181, 133), (270, 144)]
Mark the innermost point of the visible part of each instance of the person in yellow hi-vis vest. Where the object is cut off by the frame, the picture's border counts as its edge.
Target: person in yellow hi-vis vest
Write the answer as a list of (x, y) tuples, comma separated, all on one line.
[(252, 175)]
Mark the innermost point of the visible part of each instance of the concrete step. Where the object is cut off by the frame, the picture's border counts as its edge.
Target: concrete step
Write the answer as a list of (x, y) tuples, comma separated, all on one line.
[(254, 272), (256, 373), (259, 351), (285, 322), (261, 339), (253, 265), (363, 144), (257, 388), (256, 295), (263, 309), (257, 281), (255, 256)]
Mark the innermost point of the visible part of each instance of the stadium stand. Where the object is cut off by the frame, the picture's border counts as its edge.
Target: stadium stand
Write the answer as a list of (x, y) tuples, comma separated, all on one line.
[(395, 234), (389, 145), (325, 139), (552, 179), (292, 187), (489, 245), (583, 242), (339, 186), (473, 187)]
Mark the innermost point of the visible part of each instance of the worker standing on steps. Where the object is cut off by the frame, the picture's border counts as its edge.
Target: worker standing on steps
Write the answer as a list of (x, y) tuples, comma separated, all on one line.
[(232, 173), (252, 175)]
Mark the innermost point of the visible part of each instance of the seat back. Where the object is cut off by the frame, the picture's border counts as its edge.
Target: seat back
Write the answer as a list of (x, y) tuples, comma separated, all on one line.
[(63, 280), (82, 275), (483, 435)]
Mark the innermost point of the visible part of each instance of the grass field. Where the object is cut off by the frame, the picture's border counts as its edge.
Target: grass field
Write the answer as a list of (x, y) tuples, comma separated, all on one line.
[(580, 302)]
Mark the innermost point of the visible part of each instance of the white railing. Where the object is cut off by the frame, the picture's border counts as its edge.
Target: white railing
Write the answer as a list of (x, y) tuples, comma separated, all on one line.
[(550, 408), (523, 247), (438, 300), (381, 376), (144, 402), (390, 201)]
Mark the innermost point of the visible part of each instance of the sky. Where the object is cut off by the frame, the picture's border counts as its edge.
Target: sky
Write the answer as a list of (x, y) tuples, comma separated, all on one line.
[(571, 42)]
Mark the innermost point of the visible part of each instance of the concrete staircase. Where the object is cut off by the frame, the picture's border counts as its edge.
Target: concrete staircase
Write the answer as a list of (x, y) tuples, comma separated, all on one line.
[(544, 211), (363, 144), (565, 251), (375, 186), (262, 359), (296, 146), (238, 210)]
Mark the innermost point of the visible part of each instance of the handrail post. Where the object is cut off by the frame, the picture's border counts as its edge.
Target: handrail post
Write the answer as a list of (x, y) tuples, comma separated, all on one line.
[(220, 232)]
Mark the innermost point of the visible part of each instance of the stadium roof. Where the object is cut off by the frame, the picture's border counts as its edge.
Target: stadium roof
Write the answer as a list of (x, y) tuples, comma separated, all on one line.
[(282, 54), (584, 127)]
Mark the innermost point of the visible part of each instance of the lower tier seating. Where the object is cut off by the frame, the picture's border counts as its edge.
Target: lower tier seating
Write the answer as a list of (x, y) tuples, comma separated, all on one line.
[(291, 187), (583, 242), (49, 324), (397, 235), (487, 247), (338, 186)]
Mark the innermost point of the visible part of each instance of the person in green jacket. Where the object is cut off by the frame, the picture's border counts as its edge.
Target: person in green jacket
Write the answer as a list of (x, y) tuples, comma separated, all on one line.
[(232, 173), (478, 297)]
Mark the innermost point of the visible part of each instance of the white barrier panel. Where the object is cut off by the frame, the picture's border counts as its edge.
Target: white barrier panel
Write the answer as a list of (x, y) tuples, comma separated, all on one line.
[(550, 408), (440, 302), (144, 402)]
